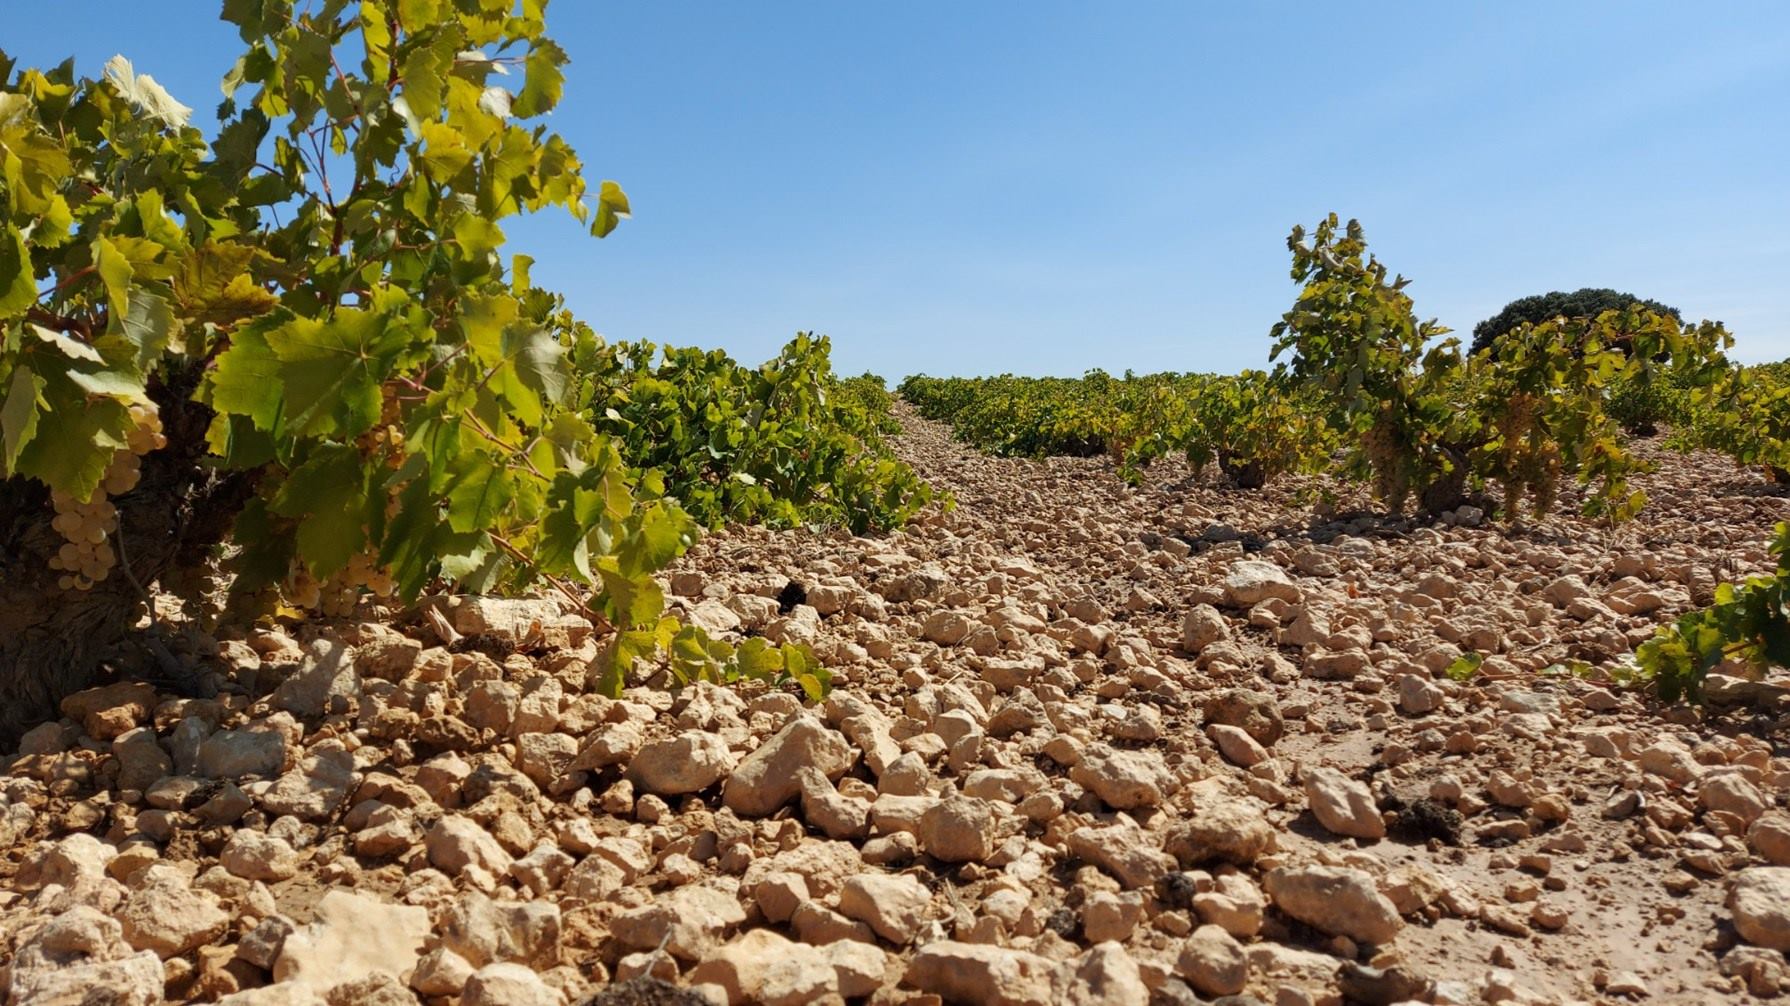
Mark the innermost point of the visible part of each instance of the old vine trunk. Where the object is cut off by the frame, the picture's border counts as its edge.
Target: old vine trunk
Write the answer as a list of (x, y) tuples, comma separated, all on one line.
[(55, 642)]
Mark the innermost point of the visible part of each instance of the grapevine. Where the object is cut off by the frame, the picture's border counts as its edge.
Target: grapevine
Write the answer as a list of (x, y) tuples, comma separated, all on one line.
[(1747, 628), (1431, 423), (297, 341)]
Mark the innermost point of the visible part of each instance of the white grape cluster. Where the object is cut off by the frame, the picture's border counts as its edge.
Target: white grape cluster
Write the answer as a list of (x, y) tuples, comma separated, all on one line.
[(86, 556), (1387, 457), (337, 596), (1530, 462)]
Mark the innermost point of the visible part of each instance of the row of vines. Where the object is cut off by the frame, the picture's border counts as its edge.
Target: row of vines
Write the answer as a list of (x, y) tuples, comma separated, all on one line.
[(1366, 390), (291, 351)]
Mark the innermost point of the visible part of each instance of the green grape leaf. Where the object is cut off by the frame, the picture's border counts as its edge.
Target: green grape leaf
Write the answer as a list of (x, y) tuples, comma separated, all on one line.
[(543, 80), (630, 601), (266, 553), (426, 69), (800, 666), (1464, 666), (212, 284), (327, 494), (480, 492), (476, 237), (408, 547), (483, 320), (612, 209), (117, 384), (18, 290), (18, 415), (533, 373), (465, 556), (445, 153), (757, 659), (35, 165), (247, 380), (238, 443), (71, 453), (67, 346), (574, 510), (663, 536), (332, 369), (143, 331), (115, 274)]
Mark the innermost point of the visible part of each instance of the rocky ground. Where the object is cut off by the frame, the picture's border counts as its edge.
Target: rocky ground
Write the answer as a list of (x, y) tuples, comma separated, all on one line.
[(1088, 744)]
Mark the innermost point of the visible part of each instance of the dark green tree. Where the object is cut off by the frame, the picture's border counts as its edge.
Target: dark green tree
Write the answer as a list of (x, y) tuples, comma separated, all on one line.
[(1587, 303)]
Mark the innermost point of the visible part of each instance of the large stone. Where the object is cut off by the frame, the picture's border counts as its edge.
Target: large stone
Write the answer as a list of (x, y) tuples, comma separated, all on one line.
[(141, 760), (69, 957), (714, 617), (1731, 792), (509, 985), (1104, 976), (1236, 906), (110, 710), (167, 914), (314, 789), (1342, 805), (958, 830), (1123, 850), (1770, 836), (1255, 712), (947, 628), (1251, 581), (610, 744), (376, 989), (77, 934), (1418, 695), (689, 922), (457, 842), (1336, 899), (441, 972), (78, 864), (1222, 828), (135, 980), (1201, 627), (1124, 780), (892, 905), (1235, 744), (545, 757), (258, 750), (691, 761), (762, 966), (982, 973), (1213, 962), (353, 936), (253, 855), (1760, 901), (770, 777), (484, 931), (324, 683), (521, 620)]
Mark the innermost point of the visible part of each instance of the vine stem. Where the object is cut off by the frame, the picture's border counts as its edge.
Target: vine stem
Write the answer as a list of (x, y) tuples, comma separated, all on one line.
[(558, 583), (169, 665), (124, 563)]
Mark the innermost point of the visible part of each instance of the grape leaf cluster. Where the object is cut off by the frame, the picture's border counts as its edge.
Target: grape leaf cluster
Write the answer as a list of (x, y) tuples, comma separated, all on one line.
[(315, 294)]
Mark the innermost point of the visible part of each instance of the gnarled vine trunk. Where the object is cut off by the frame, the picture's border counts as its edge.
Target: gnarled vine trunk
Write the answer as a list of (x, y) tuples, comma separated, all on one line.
[(54, 642)]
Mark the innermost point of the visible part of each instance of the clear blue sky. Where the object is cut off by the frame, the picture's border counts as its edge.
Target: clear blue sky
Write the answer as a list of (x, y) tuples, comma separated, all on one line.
[(1044, 187)]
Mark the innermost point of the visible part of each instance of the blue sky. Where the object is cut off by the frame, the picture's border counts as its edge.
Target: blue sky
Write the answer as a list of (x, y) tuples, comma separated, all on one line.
[(1044, 187)]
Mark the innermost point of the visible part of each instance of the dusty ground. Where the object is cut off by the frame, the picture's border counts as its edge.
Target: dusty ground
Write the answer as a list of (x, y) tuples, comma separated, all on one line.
[(1088, 744)]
